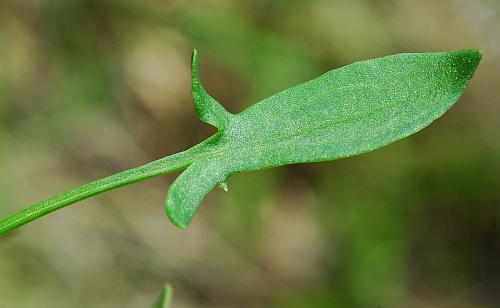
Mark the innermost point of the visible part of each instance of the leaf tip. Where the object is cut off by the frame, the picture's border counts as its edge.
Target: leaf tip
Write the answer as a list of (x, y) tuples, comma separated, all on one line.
[(468, 59), (476, 54), (206, 107), (182, 220), (194, 59), (459, 66)]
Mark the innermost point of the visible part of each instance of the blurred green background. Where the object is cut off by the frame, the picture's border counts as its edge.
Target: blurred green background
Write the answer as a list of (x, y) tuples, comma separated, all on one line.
[(92, 87)]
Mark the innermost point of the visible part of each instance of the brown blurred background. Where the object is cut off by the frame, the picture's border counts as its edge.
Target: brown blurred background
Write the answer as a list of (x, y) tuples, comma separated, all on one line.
[(92, 87)]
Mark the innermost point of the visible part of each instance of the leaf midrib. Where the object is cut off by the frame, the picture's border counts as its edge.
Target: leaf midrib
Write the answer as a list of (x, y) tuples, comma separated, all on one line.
[(255, 144)]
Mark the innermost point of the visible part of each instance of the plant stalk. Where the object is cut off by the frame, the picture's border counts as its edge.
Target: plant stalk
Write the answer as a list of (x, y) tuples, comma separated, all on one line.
[(162, 166)]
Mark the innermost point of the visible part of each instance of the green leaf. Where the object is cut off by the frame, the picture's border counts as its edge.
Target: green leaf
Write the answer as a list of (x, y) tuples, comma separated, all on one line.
[(163, 301), (344, 112)]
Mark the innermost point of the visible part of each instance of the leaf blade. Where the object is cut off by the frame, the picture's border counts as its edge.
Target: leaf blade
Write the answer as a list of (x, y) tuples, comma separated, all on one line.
[(344, 112), (350, 113)]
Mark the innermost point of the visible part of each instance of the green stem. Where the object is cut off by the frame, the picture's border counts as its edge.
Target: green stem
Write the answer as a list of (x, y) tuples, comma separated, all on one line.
[(162, 166)]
